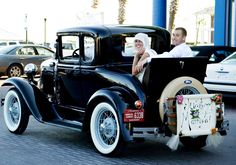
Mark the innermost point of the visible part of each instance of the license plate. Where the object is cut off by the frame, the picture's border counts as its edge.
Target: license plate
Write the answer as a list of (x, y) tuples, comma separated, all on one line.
[(131, 115)]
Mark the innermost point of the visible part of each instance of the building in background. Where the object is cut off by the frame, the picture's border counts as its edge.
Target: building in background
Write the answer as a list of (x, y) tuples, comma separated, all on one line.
[(204, 26), (207, 22)]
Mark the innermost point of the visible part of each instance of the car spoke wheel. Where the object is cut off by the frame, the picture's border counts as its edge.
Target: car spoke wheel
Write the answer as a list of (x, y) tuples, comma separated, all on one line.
[(15, 112), (15, 71), (105, 130)]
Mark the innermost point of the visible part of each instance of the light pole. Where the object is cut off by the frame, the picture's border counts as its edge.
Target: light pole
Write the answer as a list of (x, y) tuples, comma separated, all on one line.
[(26, 30), (45, 31)]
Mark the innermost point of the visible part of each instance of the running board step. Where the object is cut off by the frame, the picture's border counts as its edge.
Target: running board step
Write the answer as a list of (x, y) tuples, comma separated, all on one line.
[(75, 125)]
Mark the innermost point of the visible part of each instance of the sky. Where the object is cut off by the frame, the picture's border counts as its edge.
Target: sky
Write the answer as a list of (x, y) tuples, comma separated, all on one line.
[(67, 13), (61, 14)]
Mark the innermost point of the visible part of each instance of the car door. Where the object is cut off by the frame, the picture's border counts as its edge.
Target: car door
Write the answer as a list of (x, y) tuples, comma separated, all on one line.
[(91, 80), (68, 86), (226, 70), (25, 55)]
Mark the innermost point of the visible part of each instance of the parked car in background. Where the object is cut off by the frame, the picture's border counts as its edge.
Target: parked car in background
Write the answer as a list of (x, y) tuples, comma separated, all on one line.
[(13, 42), (222, 76), (214, 53), (14, 58)]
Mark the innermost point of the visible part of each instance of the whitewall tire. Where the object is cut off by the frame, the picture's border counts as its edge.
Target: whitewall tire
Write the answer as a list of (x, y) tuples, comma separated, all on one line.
[(15, 112), (182, 85), (105, 130)]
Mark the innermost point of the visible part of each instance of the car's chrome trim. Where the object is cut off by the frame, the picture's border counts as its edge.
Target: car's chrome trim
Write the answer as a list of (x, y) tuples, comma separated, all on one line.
[(219, 83)]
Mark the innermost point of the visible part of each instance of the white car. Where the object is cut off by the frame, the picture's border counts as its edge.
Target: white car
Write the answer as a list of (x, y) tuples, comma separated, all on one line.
[(222, 76)]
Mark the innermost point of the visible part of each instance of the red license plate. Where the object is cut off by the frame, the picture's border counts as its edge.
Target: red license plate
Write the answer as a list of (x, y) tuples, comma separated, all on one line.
[(131, 115)]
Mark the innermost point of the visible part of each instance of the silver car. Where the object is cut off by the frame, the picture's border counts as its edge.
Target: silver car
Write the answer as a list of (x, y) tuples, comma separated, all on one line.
[(14, 58)]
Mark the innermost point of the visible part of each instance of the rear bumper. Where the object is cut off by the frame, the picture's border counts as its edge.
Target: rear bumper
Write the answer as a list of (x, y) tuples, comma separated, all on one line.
[(190, 115), (147, 132)]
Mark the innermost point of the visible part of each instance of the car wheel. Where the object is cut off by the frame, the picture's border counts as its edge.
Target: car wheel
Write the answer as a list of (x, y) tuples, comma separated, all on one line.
[(105, 130), (15, 112), (14, 70), (194, 142)]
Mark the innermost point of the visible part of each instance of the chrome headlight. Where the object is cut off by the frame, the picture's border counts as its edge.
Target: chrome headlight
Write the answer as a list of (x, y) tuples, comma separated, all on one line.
[(31, 69)]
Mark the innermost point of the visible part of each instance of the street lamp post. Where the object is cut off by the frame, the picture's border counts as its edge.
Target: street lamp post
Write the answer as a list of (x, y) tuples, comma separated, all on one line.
[(45, 31), (26, 29)]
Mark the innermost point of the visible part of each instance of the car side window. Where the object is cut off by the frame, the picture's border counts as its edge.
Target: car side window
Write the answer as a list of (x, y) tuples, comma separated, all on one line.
[(26, 51), (69, 45), (76, 48), (43, 51), (19, 52), (12, 43), (231, 59), (30, 51), (129, 46), (219, 55), (3, 43), (89, 48)]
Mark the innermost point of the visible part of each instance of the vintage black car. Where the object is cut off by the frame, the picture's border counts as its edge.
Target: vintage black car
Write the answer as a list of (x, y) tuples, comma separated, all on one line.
[(91, 89)]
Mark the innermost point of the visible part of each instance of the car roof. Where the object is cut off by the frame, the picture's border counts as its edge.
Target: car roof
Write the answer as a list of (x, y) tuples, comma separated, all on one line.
[(107, 30)]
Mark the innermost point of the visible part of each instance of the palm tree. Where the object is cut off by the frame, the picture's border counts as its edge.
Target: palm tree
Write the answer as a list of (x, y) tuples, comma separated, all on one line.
[(95, 4), (172, 12), (121, 14)]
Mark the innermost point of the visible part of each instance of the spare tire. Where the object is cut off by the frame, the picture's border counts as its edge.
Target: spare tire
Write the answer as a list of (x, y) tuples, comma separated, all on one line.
[(180, 86)]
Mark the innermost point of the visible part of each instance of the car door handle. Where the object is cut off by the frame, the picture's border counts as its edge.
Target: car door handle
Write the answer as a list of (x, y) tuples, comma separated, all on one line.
[(222, 72)]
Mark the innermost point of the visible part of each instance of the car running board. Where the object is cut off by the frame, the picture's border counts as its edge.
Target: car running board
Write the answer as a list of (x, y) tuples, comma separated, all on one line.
[(75, 125)]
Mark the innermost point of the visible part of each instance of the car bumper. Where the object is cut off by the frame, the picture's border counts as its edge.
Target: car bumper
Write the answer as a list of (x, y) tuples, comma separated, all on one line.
[(220, 87)]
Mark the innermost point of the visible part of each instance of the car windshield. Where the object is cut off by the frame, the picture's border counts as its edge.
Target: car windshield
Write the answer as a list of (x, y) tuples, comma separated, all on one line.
[(6, 49), (231, 59)]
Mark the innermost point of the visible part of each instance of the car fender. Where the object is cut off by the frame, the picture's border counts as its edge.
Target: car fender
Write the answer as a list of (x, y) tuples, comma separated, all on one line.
[(118, 98), (28, 93)]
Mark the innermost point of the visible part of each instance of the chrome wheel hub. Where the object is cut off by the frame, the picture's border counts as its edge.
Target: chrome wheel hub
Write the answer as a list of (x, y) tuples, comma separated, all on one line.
[(14, 110)]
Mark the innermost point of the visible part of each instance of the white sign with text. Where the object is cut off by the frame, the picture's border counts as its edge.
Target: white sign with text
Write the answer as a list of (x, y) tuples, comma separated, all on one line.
[(196, 114)]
